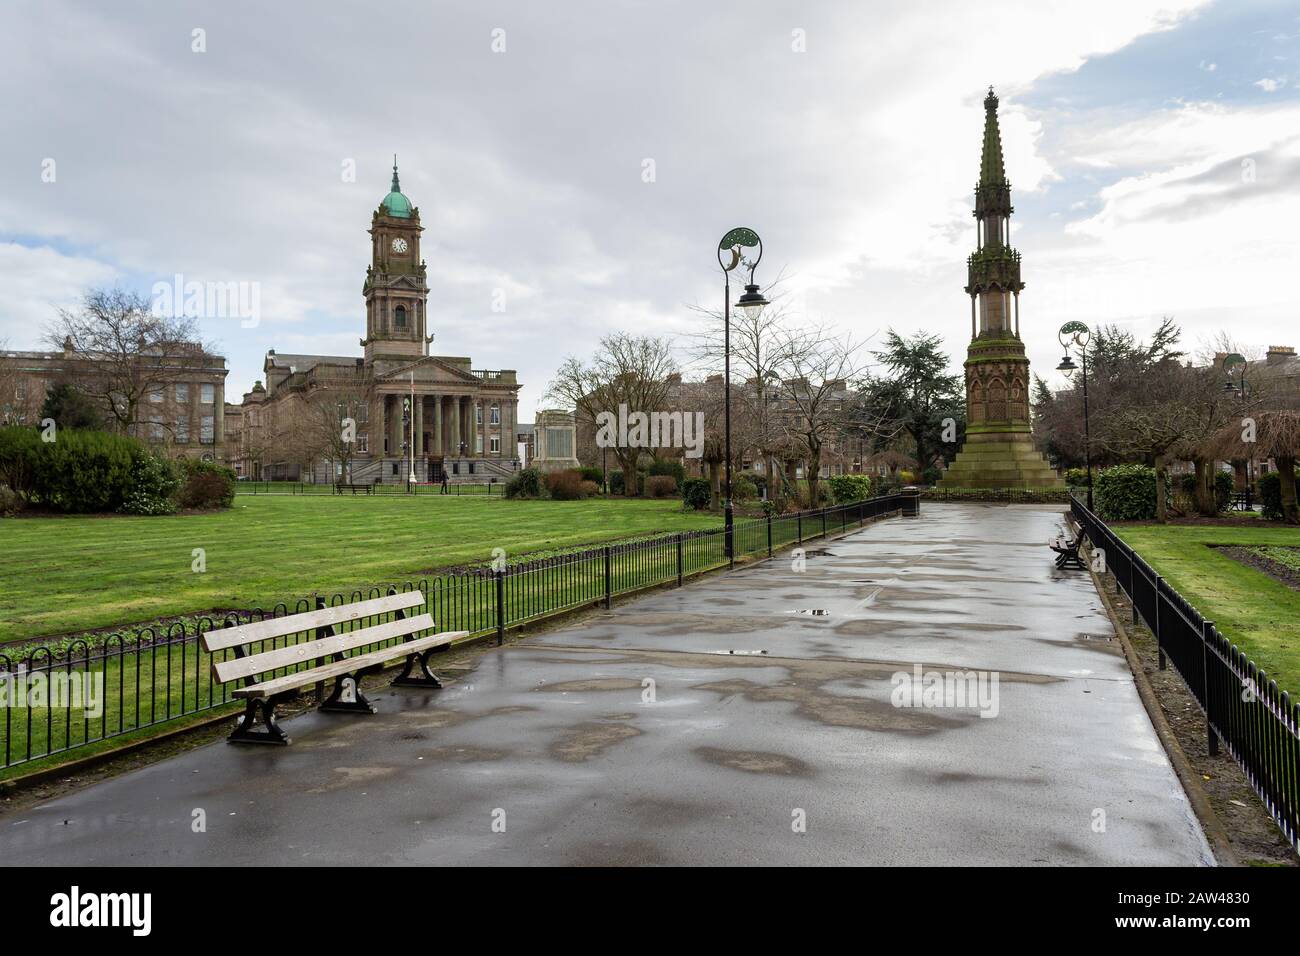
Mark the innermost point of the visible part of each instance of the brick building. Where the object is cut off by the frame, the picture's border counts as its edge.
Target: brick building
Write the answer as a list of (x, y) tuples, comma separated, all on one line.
[(412, 412)]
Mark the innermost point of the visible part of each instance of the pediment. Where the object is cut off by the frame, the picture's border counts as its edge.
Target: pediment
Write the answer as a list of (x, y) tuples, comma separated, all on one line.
[(428, 369)]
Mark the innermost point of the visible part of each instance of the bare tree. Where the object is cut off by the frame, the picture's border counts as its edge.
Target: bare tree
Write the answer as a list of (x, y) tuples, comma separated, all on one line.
[(626, 370), (755, 358), (16, 404), (119, 351), (816, 366), (1271, 433), (329, 426), (1166, 411)]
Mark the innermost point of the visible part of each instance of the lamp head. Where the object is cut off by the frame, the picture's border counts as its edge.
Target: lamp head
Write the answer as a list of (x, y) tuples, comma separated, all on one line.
[(752, 302)]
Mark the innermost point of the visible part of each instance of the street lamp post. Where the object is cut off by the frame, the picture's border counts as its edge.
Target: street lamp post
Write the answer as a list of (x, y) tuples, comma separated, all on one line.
[(408, 440), (1230, 361), (1077, 333), (733, 245)]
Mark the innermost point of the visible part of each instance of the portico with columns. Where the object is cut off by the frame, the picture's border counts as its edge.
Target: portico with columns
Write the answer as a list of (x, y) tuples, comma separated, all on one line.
[(431, 415)]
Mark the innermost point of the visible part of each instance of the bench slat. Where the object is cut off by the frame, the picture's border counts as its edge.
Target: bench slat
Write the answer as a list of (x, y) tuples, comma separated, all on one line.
[(334, 669), (225, 671), (221, 638)]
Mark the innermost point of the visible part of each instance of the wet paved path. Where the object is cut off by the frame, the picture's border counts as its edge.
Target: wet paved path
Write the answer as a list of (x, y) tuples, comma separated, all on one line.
[(553, 734)]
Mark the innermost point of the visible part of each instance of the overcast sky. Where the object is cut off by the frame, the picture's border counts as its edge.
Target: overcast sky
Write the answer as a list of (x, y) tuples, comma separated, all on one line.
[(1153, 151)]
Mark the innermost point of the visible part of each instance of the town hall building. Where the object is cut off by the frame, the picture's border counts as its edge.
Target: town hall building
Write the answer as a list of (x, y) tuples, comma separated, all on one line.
[(410, 412)]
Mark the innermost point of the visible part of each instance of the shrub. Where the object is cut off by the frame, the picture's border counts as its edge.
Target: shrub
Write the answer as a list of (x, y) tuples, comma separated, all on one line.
[(696, 493), (590, 489), (616, 484), (663, 467), (849, 487), (591, 474), (1076, 477), (1127, 493), (661, 486), (10, 503), (564, 485), (526, 483), (19, 448), (207, 485), (1270, 495), (85, 471), (931, 475), (1223, 487), (154, 484), (743, 489)]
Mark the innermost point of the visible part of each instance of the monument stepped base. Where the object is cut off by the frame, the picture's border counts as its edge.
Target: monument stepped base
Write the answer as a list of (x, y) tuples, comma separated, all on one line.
[(1000, 460)]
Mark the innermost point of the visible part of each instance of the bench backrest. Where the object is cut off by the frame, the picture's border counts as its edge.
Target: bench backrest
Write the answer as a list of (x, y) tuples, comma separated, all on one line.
[(244, 634)]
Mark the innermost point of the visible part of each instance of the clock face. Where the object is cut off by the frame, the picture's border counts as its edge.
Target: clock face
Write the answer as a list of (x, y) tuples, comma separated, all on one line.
[(399, 245)]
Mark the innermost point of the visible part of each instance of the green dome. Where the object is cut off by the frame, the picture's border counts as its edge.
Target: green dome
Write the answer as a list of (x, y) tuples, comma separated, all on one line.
[(397, 205)]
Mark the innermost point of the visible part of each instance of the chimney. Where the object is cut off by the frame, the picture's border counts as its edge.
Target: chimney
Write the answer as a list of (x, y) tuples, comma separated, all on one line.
[(1277, 354), (1218, 359)]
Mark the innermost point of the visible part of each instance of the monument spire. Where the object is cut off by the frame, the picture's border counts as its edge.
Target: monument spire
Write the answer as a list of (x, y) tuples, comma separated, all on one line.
[(999, 451), (992, 171)]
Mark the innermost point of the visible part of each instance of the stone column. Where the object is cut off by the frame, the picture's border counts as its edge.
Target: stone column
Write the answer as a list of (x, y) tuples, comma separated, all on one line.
[(417, 413), (466, 422), (453, 444), (437, 425)]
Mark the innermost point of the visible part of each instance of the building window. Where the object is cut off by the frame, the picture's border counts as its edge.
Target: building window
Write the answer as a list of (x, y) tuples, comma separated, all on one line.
[(155, 430), (495, 445), (182, 393), (156, 395), (363, 413), (363, 443), (478, 444), (399, 317), (182, 431), (207, 429), (207, 394), (478, 414), (252, 417), (496, 415)]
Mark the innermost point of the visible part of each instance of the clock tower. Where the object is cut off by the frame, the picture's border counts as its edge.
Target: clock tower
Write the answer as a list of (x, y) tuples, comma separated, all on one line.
[(396, 292)]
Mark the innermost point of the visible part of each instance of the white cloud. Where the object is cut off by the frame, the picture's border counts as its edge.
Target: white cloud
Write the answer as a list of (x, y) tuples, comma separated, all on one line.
[(855, 160), (1270, 85)]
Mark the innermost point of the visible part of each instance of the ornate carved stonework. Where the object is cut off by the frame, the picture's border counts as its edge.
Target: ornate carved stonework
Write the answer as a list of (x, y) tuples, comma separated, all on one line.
[(999, 450)]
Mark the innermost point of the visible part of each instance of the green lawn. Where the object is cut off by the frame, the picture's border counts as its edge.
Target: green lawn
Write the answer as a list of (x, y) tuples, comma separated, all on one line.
[(1258, 614), (66, 574)]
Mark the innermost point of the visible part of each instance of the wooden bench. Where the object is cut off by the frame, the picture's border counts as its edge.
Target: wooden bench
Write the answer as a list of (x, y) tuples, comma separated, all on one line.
[(326, 655), (1067, 552), (340, 487)]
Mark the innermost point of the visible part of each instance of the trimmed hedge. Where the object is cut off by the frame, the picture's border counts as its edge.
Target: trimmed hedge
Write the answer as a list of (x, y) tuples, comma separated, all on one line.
[(696, 493), (1127, 493), (525, 483), (86, 472), (847, 488), (206, 485), (661, 486)]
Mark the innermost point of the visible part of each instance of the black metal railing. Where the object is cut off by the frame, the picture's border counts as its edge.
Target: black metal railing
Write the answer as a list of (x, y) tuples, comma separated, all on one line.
[(491, 486), (158, 675), (1244, 708)]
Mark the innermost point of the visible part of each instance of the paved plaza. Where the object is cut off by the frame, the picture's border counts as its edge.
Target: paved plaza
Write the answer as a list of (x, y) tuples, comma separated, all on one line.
[(743, 719)]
